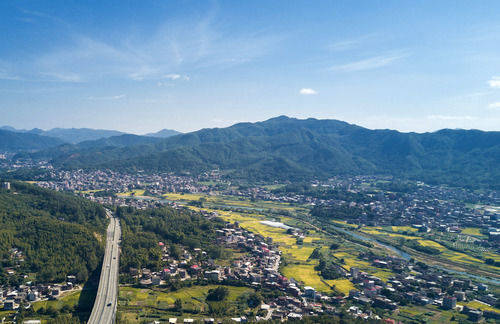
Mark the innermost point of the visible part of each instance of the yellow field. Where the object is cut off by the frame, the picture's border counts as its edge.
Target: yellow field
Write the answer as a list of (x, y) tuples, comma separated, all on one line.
[(479, 305), (89, 191), (310, 239), (136, 192), (341, 285), (351, 261), (432, 244), (344, 223), (403, 229), (305, 273), (472, 231), (492, 255), (374, 231), (186, 196), (300, 253), (461, 257)]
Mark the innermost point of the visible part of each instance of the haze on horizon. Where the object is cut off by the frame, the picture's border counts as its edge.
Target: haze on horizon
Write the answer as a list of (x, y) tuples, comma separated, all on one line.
[(187, 65)]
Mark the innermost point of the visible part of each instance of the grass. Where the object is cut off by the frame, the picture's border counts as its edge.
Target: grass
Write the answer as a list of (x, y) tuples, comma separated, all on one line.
[(70, 300), (191, 297)]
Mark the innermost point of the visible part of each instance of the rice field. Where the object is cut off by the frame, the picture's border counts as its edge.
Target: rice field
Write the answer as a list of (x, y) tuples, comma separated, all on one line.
[(306, 274), (136, 192), (190, 296), (480, 305), (474, 231), (341, 285), (403, 229), (431, 244)]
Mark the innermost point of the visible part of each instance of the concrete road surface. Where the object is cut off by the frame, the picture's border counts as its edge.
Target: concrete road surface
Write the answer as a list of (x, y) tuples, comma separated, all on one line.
[(104, 310)]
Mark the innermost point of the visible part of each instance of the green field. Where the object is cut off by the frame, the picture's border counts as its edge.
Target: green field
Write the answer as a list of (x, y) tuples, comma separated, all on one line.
[(137, 304), (474, 231), (69, 300)]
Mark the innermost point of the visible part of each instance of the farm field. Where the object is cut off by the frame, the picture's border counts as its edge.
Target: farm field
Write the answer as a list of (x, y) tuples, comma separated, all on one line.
[(341, 285), (194, 296), (137, 192), (480, 305), (305, 273), (70, 300), (138, 304), (474, 231), (446, 253)]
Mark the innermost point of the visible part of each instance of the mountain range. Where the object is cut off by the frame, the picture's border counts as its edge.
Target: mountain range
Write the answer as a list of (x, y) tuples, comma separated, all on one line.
[(164, 133), (285, 148), (64, 135)]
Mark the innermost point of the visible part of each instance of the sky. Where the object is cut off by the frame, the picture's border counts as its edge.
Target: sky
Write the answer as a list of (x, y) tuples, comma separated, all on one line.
[(141, 66)]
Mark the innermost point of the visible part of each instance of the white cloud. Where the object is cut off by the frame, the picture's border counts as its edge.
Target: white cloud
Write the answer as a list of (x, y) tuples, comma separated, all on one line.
[(190, 43), (450, 117), (117, 97), (349, 44), (343, 45), (494, 82), (369, 63), (494, 105), (308, 91), (172, 76)]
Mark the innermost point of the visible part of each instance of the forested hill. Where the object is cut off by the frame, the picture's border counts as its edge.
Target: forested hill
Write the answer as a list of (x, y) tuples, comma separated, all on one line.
[(13, 141), (57, 234), (289, 148)]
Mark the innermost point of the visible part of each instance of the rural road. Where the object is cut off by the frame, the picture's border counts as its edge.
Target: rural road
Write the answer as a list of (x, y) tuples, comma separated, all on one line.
[(104, 310)]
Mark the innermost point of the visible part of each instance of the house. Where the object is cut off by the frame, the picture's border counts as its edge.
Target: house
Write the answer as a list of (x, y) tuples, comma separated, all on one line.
[(449, 302)]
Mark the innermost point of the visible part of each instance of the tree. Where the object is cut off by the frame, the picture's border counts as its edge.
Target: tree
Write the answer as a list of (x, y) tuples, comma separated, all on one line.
[(218, 294), (178, 305)]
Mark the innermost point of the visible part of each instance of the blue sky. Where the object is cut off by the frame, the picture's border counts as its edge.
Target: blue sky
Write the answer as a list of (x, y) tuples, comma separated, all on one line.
[(141, 66)]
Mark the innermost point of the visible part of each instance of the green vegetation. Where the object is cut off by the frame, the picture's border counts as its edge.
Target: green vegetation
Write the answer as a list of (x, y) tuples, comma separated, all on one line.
[(142, 230), (193, 302), (288, 149), (56, 233)]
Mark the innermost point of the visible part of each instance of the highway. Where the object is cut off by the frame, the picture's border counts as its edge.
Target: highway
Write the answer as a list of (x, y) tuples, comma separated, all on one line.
[(104, 310)]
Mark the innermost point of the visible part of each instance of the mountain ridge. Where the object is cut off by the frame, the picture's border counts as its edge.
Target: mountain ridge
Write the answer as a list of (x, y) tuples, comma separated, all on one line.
[(288, 148)]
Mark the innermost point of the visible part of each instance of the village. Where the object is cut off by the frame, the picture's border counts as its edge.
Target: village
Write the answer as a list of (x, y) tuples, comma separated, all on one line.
[(414, 283), (428, 209)]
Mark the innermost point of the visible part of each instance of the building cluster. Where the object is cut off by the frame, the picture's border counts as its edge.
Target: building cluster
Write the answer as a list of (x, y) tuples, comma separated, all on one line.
[(87, 181), (417, 284), (11, 298)]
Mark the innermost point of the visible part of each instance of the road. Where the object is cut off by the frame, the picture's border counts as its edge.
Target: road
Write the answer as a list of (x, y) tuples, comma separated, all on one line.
[(104, 310)]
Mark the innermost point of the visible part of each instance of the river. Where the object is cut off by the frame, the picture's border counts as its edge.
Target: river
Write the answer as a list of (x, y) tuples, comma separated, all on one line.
[(407, 256)]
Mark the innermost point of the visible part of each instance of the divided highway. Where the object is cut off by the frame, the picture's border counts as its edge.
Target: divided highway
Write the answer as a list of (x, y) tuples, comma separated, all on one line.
[(104, 310)]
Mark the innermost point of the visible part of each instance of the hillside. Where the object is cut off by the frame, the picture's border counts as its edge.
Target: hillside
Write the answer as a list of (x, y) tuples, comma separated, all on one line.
[(55, 233), (14, 141), (164, 133), (285, 148), (68, 135)]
